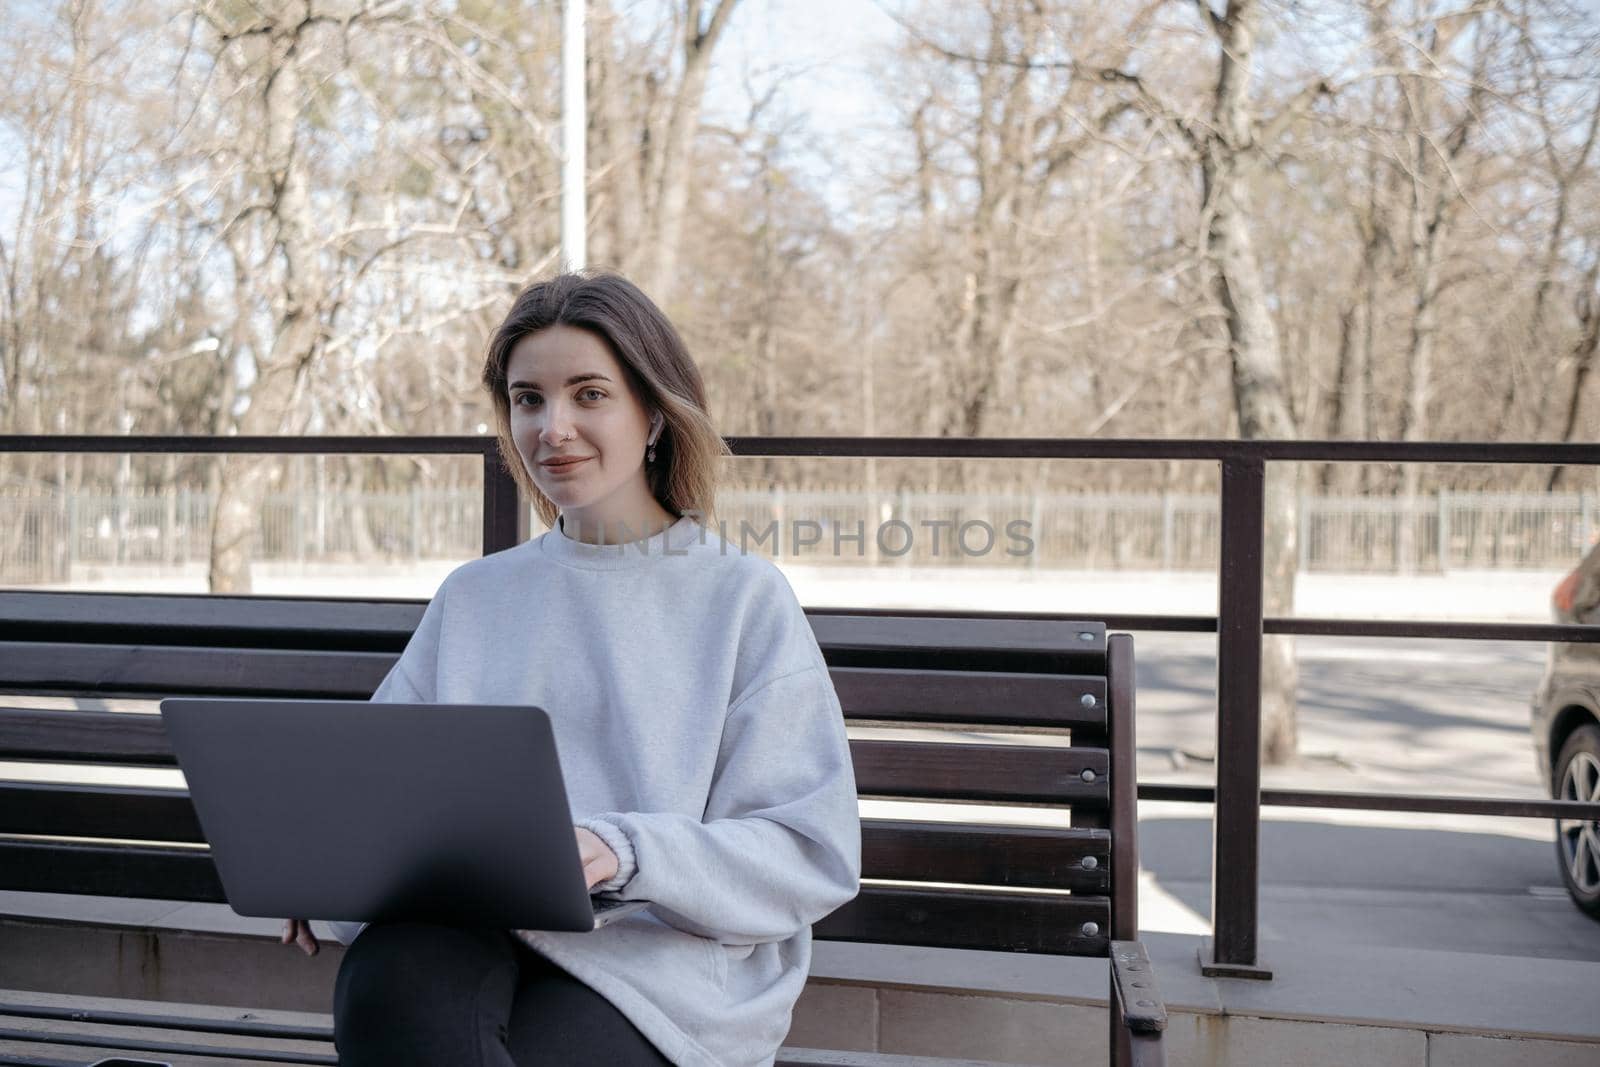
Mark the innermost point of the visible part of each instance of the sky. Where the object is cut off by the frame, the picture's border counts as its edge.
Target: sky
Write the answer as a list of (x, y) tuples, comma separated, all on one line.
[(828, 49), (824, 46)]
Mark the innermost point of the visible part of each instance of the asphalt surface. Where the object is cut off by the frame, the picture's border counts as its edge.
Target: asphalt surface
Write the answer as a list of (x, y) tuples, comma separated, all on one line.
[(1437, 717)]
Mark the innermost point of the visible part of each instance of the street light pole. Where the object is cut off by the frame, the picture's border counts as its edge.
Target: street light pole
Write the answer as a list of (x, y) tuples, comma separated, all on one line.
[(574, 125)]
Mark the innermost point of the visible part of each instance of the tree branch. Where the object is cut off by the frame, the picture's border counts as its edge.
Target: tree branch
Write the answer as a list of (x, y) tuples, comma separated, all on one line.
[(1214, 22)]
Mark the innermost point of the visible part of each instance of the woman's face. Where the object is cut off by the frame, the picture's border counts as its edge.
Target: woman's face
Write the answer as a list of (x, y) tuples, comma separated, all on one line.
[(571, 400)]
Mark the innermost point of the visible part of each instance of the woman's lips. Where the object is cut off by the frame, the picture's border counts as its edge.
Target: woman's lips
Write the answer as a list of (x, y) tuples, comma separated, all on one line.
[(563, 467)]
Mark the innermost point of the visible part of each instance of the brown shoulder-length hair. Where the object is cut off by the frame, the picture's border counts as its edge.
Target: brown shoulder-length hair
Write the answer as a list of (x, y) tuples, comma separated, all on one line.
[(660, 372)]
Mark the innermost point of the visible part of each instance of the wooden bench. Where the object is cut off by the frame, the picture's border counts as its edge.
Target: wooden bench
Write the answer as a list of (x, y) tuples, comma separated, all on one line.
[(1060, 692)]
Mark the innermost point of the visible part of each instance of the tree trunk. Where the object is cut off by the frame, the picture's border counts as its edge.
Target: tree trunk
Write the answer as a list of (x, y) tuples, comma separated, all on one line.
[(674, 165), (1261, 394), (1348, 417), (1583, 357), (1433, 193), (275, 394)]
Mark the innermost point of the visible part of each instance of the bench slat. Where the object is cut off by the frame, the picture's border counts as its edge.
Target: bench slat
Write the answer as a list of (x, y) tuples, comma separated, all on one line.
[(1050, 645), (203, 1019), (900, 850), (41, 1054), (84, 737), (884, 768), (131, 813), (964, 918), (999, 698), (918, 769), (153, 872), (254, 622), (864, 693), (1023, 774), (167, 670), (1047, 645), (1004, 922), (1032, 857), (899, 694), (197, 1018), (145, 1044)]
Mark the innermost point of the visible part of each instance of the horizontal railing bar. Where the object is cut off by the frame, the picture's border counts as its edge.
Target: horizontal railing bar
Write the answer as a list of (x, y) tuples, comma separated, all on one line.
[(1463, 631), (1170, 449), (1295, 626), (248, 445), (1159, 623), (1470, 452), (1504, 807), (1276, 624)]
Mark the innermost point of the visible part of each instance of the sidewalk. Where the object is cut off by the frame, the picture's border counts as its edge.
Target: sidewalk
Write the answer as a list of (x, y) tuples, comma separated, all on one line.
[(1485, 596)]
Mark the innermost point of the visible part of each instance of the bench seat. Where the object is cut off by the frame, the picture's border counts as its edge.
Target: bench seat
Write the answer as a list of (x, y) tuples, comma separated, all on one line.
[(38, 1028)]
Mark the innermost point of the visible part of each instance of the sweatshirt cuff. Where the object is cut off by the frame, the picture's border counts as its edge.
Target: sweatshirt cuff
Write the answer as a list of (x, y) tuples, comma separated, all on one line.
[(346, 932), (617, 841)]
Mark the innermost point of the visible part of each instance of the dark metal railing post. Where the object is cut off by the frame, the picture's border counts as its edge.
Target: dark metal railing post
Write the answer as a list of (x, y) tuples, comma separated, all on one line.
[(1235, 854), (505, 516)]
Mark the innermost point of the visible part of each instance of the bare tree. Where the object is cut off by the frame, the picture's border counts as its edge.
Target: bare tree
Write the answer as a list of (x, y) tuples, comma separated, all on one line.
[(298, 274), (1231, 148), (647, 116), (1005, 114), (1436, 147)]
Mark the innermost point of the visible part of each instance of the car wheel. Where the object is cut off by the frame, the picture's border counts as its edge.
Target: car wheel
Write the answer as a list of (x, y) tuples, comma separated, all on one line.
[(1577, 777)]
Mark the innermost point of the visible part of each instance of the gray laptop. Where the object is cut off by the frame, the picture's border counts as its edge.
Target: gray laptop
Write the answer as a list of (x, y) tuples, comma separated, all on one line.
[(349, 810)]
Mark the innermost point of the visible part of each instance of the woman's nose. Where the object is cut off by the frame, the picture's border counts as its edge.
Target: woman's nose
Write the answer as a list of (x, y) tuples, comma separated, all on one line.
[(557, 428)]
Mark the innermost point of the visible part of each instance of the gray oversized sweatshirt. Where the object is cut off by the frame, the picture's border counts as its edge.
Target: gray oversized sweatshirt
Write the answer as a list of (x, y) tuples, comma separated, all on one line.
[(700, 737)]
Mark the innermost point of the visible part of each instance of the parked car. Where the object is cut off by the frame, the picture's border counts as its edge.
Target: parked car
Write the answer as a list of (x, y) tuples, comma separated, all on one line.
[(1566, 731)]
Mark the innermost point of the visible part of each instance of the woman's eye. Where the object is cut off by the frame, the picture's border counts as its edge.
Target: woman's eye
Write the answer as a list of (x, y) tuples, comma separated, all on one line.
[(530, 399)]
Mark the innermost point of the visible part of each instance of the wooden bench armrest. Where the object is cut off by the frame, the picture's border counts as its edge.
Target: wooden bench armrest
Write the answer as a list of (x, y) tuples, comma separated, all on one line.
[(1133, 983)]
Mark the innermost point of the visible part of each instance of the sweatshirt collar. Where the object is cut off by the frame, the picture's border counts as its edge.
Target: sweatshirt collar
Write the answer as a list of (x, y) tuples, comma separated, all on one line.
[(670, 542)]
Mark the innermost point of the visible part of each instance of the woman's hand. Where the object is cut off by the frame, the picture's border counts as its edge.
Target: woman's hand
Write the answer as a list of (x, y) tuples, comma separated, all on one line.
[(298, 932), (599, 862)]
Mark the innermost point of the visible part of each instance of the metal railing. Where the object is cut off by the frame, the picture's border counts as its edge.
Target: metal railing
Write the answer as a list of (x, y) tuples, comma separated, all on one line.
[(1239, 623), (46, 530)]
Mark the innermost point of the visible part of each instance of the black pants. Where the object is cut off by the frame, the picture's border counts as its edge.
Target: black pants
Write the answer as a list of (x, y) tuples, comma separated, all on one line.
[(448, 996)]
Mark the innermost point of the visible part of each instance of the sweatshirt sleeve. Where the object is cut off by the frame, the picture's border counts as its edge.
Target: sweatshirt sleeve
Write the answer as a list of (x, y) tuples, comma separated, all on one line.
[(780, 845), (414, 677)]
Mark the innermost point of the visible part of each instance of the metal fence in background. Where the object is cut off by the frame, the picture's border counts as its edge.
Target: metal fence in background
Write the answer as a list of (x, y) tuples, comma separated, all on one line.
[(42, 537)]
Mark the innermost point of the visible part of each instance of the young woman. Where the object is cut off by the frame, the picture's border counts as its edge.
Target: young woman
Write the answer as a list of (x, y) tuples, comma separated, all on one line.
[(701, 738)]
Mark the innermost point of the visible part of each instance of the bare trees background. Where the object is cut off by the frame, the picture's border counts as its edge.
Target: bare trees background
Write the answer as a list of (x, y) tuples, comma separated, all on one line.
[(1363, 218)]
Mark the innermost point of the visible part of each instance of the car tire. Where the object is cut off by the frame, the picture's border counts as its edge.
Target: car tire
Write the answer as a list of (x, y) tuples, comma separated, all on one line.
[(1577, 777)]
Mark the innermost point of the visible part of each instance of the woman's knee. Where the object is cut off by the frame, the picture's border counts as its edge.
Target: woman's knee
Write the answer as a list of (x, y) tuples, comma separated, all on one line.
[(394, 971), (557, 1020)]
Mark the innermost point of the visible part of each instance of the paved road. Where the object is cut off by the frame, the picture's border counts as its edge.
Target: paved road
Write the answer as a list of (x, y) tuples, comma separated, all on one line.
[(1402, 716)]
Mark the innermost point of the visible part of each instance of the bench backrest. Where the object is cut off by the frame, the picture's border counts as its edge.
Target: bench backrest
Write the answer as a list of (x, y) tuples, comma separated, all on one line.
[(922, 689)]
